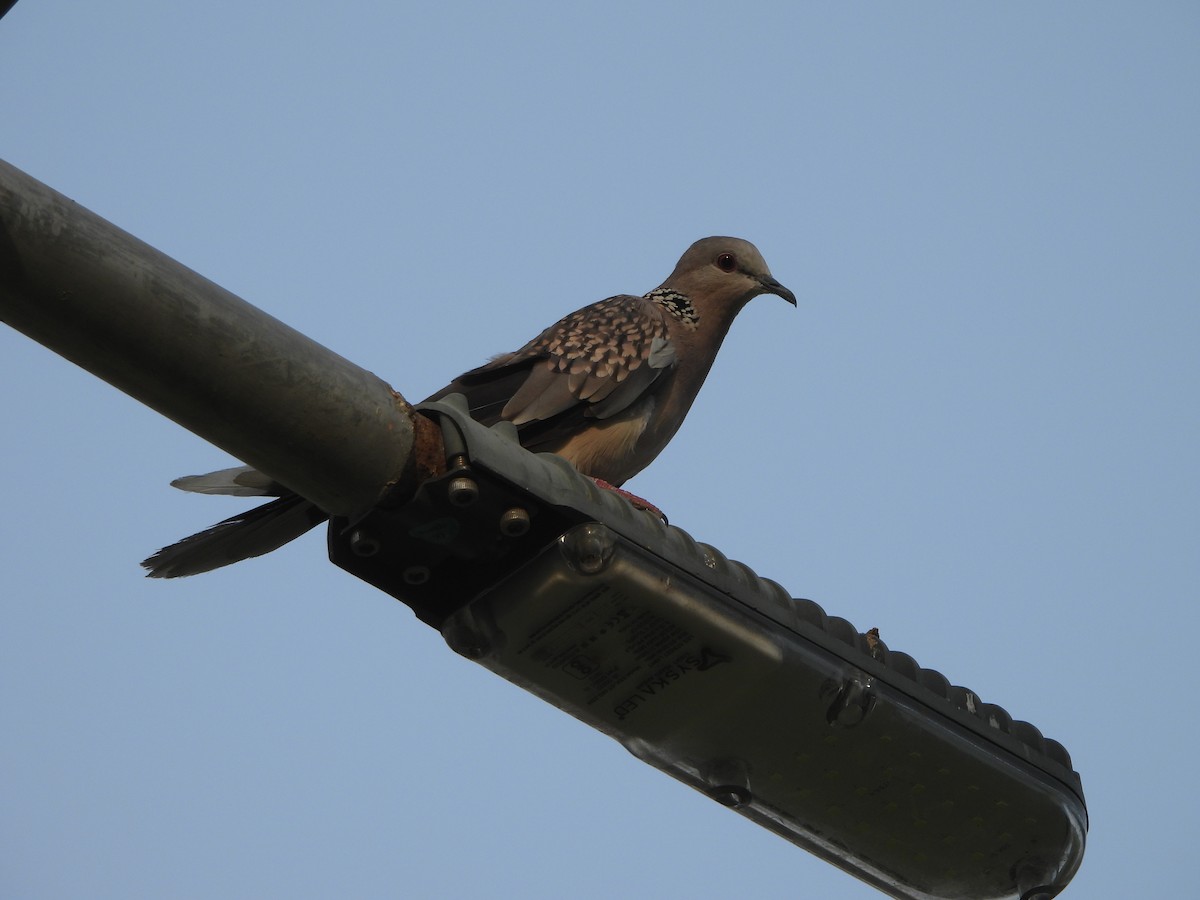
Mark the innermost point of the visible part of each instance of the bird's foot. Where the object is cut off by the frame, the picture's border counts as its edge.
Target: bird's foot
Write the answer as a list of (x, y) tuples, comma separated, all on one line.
[(638, 502)]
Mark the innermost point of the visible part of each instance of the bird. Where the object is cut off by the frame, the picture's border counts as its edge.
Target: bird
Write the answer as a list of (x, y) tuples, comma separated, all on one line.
[(605, 387)]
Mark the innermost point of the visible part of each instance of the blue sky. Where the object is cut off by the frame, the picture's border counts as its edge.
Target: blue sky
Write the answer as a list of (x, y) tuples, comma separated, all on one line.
[(977, 432)]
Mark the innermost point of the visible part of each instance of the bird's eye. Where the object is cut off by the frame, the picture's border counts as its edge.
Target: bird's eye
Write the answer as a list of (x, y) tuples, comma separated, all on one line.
[(726, 262)]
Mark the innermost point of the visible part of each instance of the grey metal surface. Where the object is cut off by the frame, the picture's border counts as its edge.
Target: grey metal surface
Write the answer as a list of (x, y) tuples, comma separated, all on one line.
[(843, 746), (225, 370), (557, 483)]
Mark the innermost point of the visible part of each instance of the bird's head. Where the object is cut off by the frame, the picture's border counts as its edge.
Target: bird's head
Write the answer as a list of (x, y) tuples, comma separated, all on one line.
[(724, 272)]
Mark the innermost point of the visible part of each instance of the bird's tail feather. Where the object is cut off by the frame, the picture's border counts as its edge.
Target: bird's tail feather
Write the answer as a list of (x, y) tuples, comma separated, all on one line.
[(240, 481), (252, 533)]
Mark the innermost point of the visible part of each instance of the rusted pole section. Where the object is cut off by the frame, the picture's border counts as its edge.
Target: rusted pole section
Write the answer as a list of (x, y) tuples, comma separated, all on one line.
[(328, 429)]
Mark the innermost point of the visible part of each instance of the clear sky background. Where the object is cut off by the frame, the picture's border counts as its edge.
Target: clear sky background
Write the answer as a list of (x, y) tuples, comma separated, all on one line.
[(978, 431)]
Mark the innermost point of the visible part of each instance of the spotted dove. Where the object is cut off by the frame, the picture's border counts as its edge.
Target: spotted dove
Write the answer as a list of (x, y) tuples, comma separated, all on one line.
[(606, 388)]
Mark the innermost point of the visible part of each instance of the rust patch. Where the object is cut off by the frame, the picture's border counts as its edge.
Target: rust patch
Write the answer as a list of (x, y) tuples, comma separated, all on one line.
[(429, 455)]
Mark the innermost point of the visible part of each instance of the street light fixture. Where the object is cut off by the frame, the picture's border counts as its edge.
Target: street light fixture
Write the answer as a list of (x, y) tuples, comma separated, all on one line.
[(791, 717)]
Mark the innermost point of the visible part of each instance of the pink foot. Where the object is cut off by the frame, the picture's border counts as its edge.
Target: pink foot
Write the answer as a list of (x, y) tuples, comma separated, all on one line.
[(638, 502)]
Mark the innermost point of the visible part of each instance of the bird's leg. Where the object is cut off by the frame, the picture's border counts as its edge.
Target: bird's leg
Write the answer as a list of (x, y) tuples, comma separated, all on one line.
[(638, 502)]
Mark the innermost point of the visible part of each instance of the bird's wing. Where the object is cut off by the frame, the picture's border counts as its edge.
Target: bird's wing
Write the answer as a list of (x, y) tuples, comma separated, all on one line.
[(593, 364)]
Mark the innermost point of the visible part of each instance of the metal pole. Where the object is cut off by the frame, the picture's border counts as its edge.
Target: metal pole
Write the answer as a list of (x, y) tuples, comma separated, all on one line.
[(314, 421)]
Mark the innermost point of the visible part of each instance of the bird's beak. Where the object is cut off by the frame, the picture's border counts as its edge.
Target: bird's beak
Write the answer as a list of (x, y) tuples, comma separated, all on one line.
[(771, 286)]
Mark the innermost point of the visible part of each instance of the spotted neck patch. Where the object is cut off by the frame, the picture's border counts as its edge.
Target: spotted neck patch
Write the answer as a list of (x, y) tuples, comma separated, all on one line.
[(677, 304)]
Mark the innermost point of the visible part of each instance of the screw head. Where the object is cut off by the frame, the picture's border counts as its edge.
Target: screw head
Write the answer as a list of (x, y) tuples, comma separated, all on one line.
[(363, 543), (514, 522), (462, 491)]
